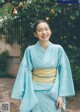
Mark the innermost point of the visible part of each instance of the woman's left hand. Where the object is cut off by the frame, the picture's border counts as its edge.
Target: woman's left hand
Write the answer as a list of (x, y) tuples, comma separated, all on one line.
[(59, 102)]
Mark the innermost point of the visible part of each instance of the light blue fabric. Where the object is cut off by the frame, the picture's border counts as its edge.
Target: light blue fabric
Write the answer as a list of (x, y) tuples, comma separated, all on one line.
[(37, 57), (45, 102)]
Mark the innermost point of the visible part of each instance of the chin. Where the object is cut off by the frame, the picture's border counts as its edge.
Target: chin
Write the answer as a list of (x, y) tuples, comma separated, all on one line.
[(45, 39)]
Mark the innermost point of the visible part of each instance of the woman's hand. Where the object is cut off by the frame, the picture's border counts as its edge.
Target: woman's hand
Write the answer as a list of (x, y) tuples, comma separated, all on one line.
[(59, 102), (15, 101)]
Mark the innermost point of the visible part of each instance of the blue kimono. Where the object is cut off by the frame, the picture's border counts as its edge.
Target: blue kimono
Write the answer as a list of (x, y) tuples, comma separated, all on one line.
[(40, 97)]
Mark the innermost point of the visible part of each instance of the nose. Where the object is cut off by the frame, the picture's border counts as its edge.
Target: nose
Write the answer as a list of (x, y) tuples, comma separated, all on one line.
[(44, 32)]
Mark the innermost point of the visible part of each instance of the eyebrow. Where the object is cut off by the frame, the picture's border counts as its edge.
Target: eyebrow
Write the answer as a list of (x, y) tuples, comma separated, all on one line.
[(41, 28)]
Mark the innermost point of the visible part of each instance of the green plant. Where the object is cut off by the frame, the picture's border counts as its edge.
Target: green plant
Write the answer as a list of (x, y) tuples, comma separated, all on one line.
[(63, 19)]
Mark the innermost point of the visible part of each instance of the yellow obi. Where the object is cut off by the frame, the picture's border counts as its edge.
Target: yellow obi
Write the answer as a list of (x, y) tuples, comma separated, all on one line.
[(44, 75)]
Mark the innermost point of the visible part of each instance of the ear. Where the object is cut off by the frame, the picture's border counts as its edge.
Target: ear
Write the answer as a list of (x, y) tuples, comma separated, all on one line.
[(35, 34)]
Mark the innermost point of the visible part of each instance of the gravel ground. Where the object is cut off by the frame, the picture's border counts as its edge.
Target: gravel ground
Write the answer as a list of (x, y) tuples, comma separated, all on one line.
[(6, 84)]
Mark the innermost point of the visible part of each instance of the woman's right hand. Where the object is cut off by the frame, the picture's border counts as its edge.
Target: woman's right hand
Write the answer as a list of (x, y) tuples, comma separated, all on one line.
[(59, 103)]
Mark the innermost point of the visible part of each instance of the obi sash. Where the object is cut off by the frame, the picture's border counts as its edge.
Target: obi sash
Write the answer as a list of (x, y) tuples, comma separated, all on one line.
[(44, 75)]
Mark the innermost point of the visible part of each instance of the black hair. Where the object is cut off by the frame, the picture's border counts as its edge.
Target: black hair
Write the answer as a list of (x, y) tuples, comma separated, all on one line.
[(37, 22)]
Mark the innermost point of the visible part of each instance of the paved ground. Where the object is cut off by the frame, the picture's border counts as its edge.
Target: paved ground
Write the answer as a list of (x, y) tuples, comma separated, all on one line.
[(6, 84)]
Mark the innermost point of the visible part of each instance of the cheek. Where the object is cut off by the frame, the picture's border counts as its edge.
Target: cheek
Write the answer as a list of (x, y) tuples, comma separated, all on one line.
[(39, 33), (50, 32)]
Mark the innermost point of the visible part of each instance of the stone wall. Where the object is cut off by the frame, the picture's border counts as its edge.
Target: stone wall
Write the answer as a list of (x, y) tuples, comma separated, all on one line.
[(13, 60), (13, 50)]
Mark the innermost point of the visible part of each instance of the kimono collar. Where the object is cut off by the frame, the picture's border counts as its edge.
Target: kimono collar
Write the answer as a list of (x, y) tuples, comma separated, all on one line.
[(38, 45)]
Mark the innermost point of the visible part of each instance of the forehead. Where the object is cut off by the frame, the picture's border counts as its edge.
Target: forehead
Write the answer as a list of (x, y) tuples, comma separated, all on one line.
[(42, 25)]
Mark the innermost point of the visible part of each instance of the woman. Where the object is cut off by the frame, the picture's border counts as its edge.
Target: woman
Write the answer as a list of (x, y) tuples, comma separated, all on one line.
[(44, 78)]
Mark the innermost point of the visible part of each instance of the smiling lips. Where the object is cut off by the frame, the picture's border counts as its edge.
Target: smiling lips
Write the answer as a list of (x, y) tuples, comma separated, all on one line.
[(44, 36)]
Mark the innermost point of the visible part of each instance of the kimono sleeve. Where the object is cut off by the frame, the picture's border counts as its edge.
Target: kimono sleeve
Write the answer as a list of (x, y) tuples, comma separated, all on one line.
[(20, 82), (66, 87)]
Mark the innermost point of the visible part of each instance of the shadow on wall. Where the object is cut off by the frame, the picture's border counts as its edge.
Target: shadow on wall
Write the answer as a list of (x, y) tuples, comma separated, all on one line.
[(13, 58)]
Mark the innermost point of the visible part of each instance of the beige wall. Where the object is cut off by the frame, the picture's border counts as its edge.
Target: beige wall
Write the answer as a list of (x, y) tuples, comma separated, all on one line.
[(13, 50)]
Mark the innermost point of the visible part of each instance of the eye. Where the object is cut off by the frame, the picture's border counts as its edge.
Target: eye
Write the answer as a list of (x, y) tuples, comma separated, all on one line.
[(46, 29), (39, 30)]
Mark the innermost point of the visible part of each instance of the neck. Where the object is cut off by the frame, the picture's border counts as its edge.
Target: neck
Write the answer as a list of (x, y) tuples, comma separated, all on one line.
[(44, 44)]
